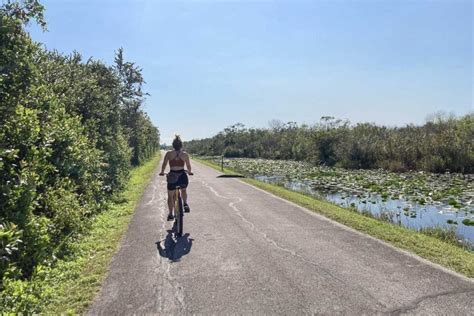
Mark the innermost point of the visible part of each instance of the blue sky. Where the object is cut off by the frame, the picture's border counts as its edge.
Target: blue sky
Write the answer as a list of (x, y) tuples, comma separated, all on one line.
[(209, 64)]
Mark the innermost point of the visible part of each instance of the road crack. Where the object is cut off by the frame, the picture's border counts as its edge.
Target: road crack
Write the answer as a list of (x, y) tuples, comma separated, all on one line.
[(286, 250), (416, 303), (170, 294)]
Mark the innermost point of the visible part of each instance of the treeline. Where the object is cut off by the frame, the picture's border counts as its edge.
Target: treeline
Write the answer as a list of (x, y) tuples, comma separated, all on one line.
[(70, 130), (444, 143)]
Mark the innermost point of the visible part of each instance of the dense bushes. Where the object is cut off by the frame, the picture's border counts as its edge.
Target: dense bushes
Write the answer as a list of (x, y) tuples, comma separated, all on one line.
[(444, 143), (69, 132)]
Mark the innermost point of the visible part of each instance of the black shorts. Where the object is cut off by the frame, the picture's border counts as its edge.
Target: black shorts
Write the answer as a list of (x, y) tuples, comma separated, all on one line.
[(182, 180)]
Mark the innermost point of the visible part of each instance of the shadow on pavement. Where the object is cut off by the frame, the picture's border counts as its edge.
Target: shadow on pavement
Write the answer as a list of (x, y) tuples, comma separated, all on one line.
[(174, 248), (230, 176)]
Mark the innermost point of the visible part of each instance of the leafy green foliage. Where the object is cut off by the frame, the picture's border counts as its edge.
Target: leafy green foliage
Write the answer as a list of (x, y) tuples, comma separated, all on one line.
[(69, 132), (69, 285), (443, 144)]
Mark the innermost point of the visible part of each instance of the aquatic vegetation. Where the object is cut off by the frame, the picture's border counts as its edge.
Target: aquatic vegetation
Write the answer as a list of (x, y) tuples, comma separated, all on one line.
[(452, 201), (457, 190), (387, 217), (468, 222)]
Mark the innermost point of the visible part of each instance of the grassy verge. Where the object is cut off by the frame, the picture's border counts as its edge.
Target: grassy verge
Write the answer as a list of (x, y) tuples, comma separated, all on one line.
[(97, 249), (72, 283), (441, 252)]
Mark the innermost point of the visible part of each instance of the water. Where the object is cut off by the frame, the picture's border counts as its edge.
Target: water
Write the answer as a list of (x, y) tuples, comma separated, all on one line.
[(406, 213)]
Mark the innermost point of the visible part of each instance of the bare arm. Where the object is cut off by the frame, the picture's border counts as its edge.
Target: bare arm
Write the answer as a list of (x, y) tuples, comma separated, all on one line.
[(188, 165), (163, 166)]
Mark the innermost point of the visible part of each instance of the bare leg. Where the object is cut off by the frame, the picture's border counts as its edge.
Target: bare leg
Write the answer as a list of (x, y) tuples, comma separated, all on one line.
[(184, 195), (170, 201)]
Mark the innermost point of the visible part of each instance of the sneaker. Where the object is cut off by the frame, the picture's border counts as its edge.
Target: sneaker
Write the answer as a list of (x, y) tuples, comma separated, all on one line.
[(186, 208), (170, 217)]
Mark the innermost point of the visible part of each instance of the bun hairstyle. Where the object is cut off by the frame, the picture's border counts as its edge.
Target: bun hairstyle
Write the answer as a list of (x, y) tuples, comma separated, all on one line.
[(177, 143)]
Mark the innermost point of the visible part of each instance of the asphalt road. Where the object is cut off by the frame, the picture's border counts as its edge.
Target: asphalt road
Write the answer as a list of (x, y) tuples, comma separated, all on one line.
[(248, 252)]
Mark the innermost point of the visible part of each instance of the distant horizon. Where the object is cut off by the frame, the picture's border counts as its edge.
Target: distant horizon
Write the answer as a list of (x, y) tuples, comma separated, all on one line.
[(427, 118), (210, 64)]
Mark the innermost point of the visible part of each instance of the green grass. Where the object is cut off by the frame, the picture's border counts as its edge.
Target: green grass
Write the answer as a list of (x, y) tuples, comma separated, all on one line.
[(72, 283), (97, 249), (431, 248)]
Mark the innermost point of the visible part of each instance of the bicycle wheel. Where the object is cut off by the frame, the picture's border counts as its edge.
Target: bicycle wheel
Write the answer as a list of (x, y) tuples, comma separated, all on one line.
[(179, 215)]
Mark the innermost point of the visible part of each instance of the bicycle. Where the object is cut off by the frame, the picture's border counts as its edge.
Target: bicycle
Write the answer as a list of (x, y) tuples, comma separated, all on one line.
[(179, 210)]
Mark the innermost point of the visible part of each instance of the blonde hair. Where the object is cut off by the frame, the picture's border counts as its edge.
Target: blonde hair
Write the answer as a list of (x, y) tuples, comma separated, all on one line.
[(177, 142)]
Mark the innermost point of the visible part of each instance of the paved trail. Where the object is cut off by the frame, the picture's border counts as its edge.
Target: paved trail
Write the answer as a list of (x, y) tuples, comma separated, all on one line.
[(248, 252)]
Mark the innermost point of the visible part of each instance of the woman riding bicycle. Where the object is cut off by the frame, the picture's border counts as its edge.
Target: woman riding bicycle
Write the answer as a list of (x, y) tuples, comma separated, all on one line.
[(177, 176)]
